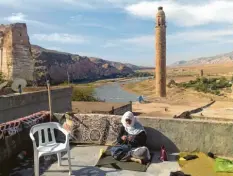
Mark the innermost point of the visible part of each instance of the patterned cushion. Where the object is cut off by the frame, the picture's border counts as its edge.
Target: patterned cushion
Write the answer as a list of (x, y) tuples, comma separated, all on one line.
[(114, 129), (88, 129), (92, 128)]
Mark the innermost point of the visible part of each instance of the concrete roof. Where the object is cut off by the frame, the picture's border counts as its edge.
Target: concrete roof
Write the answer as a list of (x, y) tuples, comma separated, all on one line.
[(84, 159)]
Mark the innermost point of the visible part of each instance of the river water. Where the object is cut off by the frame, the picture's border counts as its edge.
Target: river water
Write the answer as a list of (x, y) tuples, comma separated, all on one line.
[(114, 93)]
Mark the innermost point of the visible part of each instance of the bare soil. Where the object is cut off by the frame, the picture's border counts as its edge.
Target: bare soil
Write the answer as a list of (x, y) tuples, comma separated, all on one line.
[(179, 100)]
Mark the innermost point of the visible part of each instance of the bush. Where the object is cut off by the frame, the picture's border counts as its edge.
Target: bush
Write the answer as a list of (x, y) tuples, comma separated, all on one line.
[(212, 85), (83, 94), (140, 74)]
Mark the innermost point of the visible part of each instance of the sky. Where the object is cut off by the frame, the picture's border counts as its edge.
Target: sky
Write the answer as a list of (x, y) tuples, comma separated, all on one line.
[(124, 30)]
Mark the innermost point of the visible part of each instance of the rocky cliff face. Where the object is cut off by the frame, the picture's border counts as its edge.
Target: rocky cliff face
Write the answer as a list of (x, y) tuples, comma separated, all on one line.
[(58, 66)]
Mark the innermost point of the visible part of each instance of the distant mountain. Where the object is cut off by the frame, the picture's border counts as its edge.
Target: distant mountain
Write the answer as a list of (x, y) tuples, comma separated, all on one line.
[(218, 59), (119, 64), (135, 67), (59, 65)]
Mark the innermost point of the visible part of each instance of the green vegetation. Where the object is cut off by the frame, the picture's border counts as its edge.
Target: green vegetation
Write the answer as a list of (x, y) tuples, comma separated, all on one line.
[(212, 85), (140, 74), (83, 94)]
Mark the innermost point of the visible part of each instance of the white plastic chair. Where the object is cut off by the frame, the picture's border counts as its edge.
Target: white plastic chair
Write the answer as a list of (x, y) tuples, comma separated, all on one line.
[(49, 147)]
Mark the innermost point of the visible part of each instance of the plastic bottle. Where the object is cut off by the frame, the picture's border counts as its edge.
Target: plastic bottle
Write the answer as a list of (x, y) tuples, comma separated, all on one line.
[(163, 154)]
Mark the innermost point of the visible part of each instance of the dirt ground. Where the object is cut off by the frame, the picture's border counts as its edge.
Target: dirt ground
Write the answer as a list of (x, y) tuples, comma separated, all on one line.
[(179, 100)]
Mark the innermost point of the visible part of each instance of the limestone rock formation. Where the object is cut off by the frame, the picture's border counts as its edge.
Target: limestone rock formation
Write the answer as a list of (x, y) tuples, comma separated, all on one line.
[(57, 66)]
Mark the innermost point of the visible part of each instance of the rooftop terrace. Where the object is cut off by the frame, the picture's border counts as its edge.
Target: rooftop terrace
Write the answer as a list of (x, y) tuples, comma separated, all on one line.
[(84, 158)]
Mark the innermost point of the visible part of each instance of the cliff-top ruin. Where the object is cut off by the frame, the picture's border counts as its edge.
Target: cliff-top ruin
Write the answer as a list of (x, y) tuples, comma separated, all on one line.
[(15, 52)]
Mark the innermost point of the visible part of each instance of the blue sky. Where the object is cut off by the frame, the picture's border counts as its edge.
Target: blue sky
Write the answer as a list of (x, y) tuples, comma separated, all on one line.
[(123, 30)]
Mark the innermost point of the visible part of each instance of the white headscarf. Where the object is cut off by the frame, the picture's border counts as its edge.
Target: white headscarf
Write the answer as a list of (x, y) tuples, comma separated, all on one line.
[(135, 127)]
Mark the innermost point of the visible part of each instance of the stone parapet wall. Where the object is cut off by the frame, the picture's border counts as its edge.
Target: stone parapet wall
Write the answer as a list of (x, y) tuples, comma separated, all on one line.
[(15, 106), (14, 135), (175, 134)]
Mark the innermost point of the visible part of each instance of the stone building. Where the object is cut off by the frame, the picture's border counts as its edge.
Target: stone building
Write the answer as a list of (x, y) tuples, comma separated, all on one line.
[(15, 52), (160, 53)]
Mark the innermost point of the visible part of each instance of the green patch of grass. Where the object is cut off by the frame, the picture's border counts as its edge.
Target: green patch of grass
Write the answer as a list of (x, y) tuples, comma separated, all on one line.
[(140, 74), (84, 94), (211, 85)]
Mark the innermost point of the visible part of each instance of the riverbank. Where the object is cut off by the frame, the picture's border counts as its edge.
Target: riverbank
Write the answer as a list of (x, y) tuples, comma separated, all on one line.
[(99, 83), (177, 101)]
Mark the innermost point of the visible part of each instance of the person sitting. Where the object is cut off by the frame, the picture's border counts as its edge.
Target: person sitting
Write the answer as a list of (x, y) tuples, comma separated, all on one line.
[(132, 132), (132, 140)]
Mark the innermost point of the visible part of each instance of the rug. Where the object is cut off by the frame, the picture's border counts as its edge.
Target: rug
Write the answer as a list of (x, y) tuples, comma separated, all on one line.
[(106, 160), (202, 166)]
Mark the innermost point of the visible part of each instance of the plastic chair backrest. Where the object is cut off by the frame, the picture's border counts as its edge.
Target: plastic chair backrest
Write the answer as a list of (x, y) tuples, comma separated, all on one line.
[(46, 128)]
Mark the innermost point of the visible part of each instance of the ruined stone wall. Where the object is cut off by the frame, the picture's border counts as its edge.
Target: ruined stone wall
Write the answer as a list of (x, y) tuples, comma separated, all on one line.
[(1, 47), (16, 57), (7, 56), (23, 64)]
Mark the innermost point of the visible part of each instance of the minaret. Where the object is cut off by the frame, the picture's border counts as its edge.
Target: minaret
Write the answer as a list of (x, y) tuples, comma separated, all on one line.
[(160, 53)]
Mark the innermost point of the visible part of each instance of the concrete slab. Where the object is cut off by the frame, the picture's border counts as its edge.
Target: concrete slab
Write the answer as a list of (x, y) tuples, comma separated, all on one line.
[(84, 159)]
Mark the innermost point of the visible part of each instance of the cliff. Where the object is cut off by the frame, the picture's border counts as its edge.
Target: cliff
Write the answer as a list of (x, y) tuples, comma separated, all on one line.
[(57, 66)]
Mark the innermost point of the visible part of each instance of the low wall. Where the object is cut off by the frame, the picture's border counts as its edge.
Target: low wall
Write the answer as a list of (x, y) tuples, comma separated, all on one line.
[(14, 135), (175, 134), (190, 135), (15, 106), (121, 110)]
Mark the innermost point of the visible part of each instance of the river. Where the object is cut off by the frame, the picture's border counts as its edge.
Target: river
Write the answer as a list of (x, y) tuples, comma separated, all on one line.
[(114, 93)]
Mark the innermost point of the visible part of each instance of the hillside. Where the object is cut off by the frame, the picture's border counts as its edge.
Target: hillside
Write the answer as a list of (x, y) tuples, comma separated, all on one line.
[(218, 59), (58, 65)]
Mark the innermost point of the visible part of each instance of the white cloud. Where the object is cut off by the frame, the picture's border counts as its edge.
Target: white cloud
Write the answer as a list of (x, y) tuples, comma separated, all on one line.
[(61, 38), (80, 20), (20, 17), (23, 18), (41, 5), (217, 11), (195, 36), (16, 17)]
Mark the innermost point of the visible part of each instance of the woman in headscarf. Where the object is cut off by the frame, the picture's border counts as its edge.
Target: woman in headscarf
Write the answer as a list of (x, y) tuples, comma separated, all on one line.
[(132, 132), (132, 140)]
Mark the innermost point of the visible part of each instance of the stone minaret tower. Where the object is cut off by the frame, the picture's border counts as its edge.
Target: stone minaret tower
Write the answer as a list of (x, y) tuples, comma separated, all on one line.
[(160, 53)]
